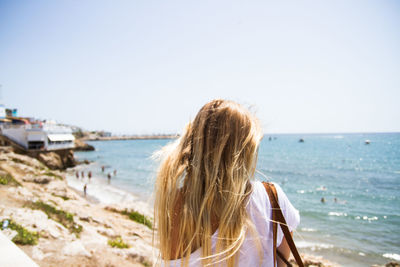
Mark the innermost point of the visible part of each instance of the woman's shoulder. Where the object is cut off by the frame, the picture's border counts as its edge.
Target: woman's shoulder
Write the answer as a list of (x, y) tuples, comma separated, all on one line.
[(260, 200), (259, 190)]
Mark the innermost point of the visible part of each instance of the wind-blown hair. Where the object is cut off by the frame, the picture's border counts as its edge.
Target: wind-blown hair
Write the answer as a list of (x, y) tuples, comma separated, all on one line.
[(205, 177)]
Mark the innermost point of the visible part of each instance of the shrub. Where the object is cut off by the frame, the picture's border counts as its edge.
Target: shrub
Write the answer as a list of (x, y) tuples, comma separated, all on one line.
[(24, 236), (52, 174), (19, 161), (3, 180), (8, 179), (134, 216), (63, 197), (61, 216), (138, 217), (117, 243)]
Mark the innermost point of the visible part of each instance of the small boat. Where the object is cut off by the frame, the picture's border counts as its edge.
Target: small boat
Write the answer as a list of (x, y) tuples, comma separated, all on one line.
[(301, 140), (367, 142)]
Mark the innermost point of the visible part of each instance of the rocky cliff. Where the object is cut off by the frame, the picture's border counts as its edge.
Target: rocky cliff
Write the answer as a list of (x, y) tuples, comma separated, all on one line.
[(57, 226)]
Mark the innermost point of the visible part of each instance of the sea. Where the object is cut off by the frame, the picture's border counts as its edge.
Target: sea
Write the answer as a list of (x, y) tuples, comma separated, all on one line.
[(347, 191)]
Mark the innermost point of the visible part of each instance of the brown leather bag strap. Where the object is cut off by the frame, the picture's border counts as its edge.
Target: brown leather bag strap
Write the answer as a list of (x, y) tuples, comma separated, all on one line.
[(273, 196), (274, 224)]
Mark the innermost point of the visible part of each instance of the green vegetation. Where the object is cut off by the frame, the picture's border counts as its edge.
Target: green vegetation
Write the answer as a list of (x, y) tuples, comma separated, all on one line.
[(19, 161), (138, 217), (3, 180), (52, 174), (63, 197), (78, 134), (8, 179), (147, 264), (63, 217), (117, 243), (135, 216), (24, 236)]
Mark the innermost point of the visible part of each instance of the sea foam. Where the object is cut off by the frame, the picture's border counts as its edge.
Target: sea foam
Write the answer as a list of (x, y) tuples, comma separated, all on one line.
[(313, 246), (393, 256)]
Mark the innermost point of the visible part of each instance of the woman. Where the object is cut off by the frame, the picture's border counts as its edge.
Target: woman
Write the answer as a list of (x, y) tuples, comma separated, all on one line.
[(208, 208)]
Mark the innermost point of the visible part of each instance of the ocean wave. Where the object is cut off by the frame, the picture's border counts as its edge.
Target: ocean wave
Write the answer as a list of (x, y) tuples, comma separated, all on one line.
[(366, 218), (313, 246), (392, 256), (339, 214), (304, 229)]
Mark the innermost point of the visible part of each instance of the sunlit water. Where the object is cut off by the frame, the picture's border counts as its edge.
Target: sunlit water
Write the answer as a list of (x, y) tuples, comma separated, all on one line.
[(360, 229)]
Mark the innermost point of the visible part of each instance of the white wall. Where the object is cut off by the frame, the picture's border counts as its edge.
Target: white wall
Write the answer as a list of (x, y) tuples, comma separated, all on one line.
[(17, 134)]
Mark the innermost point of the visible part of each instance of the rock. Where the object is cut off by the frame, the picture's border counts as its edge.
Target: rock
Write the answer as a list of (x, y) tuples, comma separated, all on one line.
[(10, 234), (59, 188), (92, 239), (75, 248), (85, 218), (82, 146), (107, 232), (313, 261), (6, 149), (37, 253), (68, 158), (51, 160), (23, 192), (134, 254), (37, 179), (35, 220), (25, 160), (42, 179)]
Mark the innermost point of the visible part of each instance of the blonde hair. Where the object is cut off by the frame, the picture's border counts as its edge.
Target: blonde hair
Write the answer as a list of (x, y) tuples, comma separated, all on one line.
[(208, 171)]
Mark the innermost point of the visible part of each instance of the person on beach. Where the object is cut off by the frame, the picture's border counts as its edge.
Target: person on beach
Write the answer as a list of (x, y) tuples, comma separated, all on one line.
[(115, 172), (77, 175), (209, 209), (83, 174), (109, 177), (84, 189), (102, 168), (89, 175)]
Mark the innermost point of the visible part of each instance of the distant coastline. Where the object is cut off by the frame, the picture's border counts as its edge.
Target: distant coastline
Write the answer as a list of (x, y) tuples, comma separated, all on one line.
[(131, 137)]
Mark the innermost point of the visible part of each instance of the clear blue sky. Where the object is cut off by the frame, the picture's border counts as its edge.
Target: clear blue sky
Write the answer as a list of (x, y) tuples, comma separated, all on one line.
[(148, 66)]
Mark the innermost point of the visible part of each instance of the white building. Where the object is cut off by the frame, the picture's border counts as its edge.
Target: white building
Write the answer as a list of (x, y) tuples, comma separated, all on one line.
[(39, 136)]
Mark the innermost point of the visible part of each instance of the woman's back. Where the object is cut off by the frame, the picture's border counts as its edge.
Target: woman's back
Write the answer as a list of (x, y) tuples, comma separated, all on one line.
[(259, 210)]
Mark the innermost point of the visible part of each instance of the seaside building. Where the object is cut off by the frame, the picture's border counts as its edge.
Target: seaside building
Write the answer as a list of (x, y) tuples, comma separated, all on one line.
[(37, 135), (2, 111), (32, 134)]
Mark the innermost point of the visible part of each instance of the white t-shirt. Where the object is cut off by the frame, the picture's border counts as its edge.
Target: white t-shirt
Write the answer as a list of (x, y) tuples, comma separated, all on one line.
[(260, 212)]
